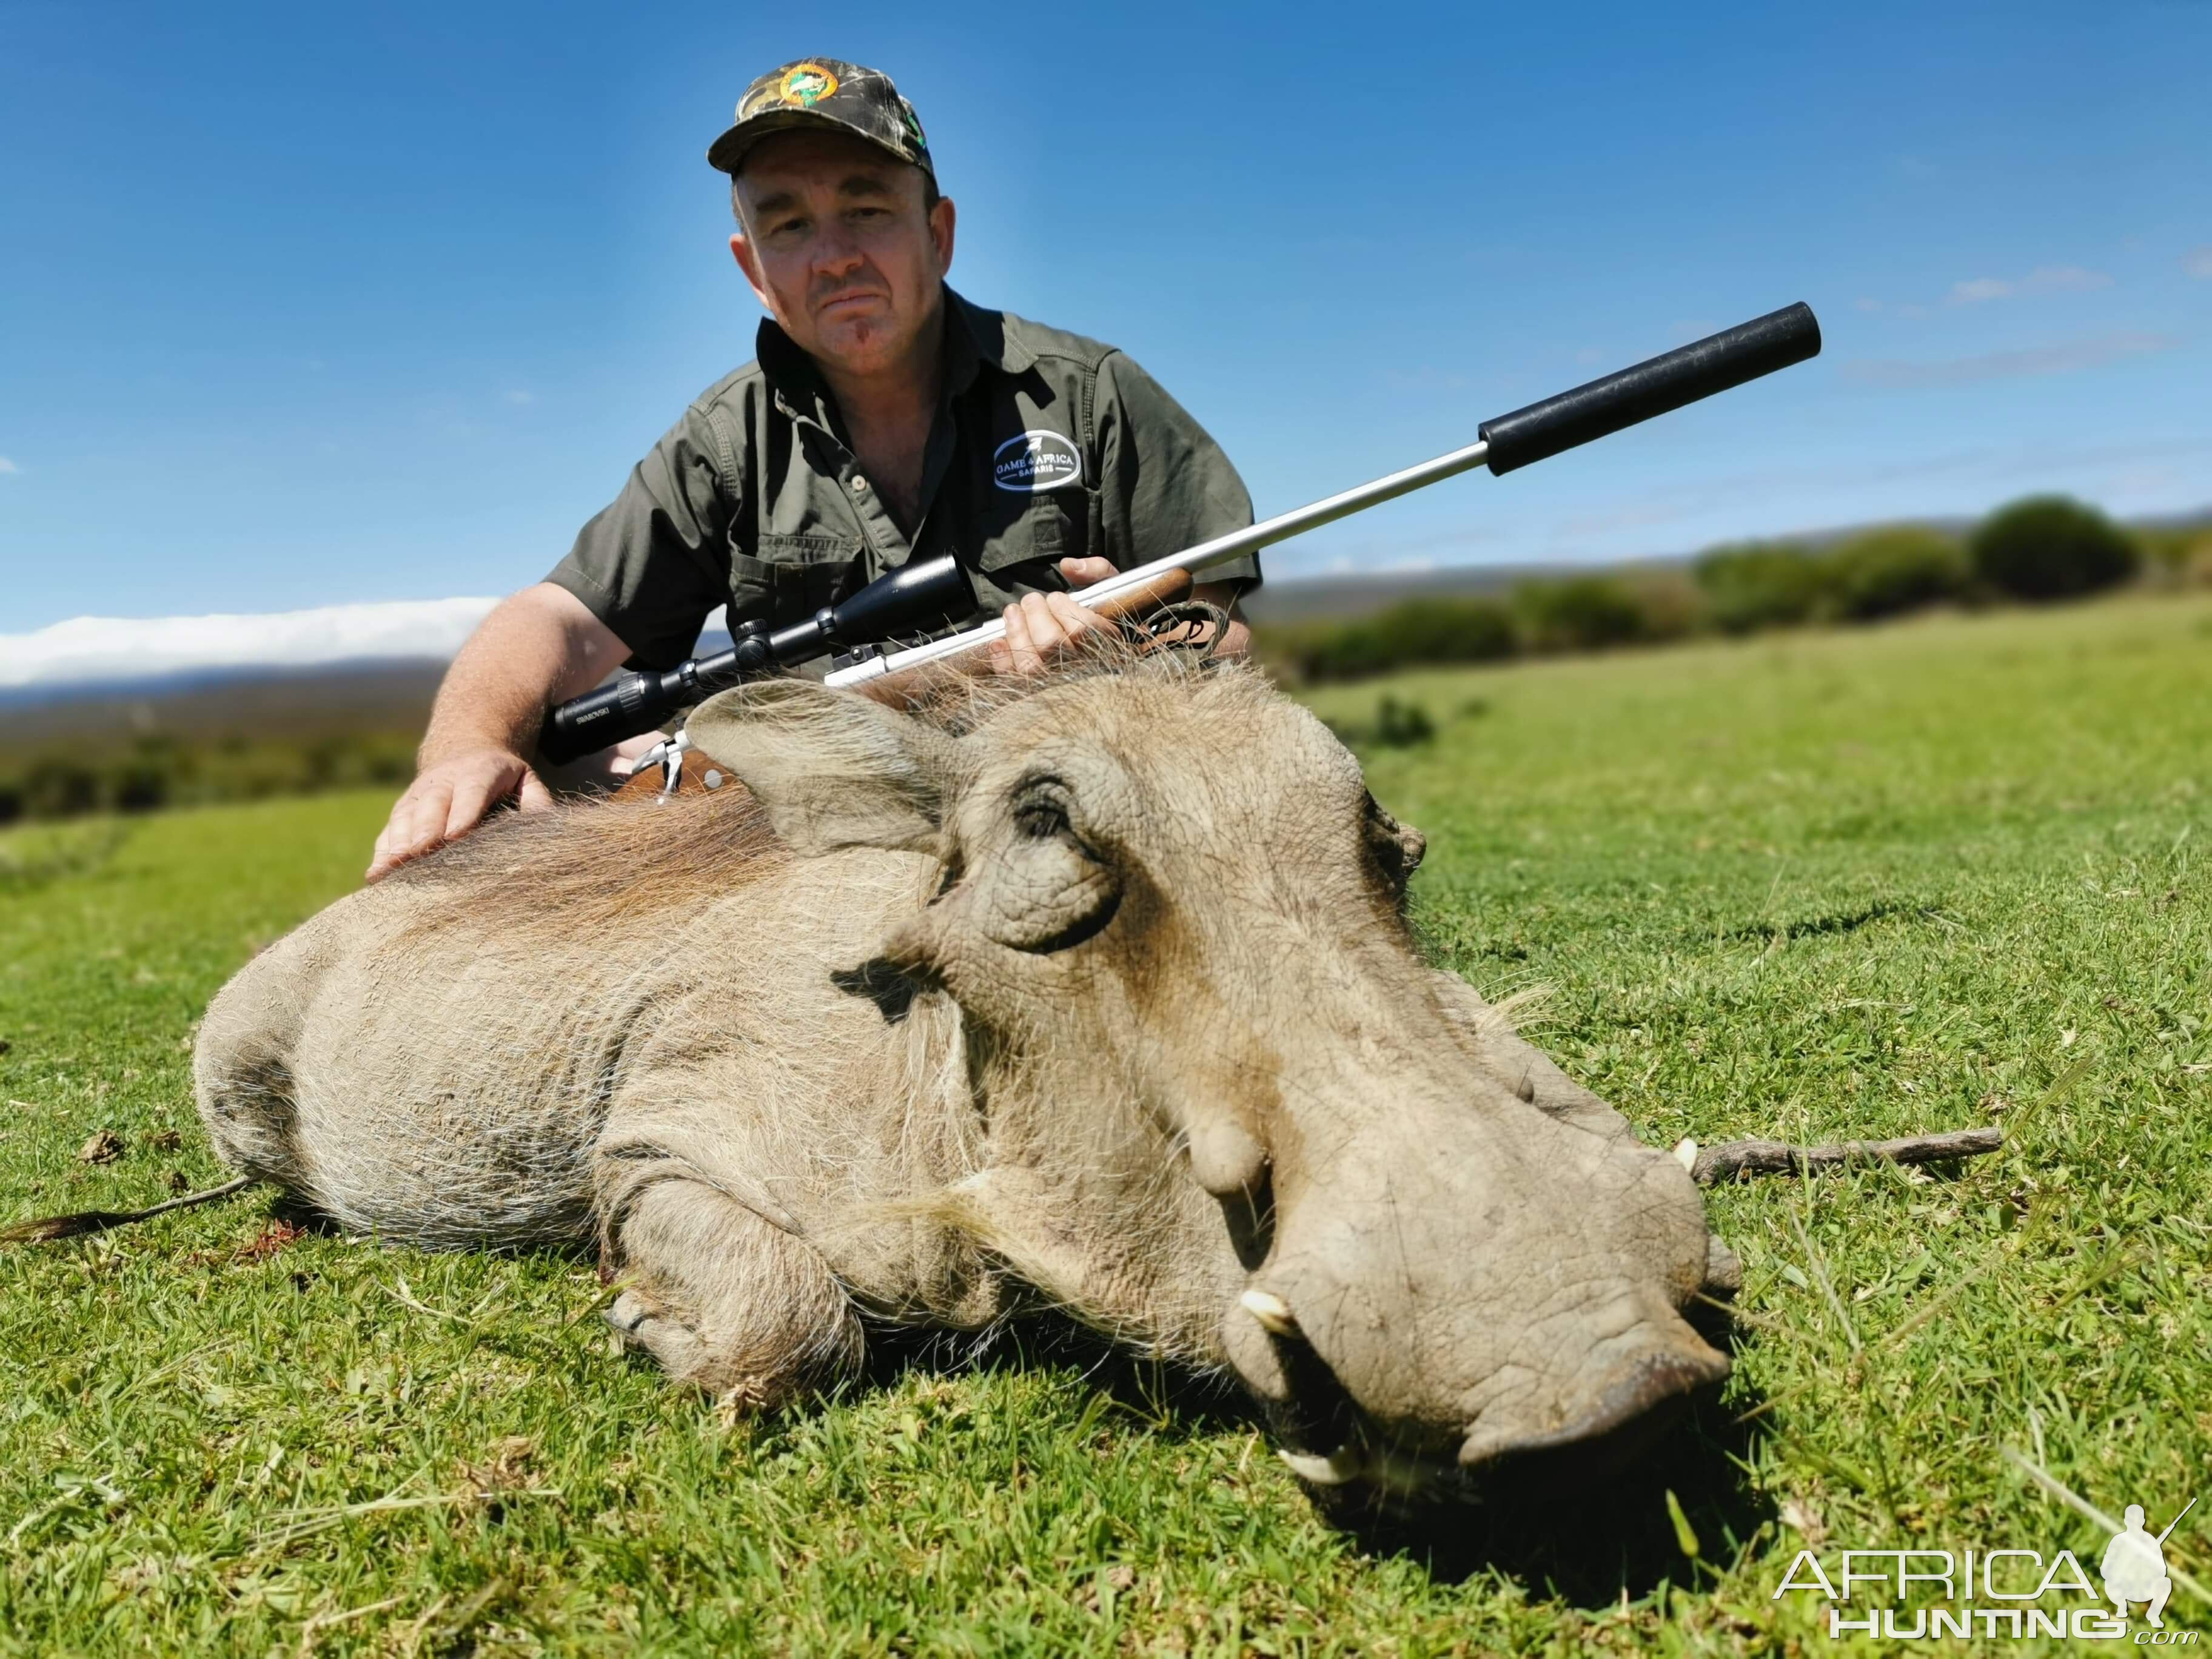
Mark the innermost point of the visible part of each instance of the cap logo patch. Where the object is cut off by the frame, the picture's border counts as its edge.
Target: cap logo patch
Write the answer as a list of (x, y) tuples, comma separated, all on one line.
[(1034, 461), (807, 85)]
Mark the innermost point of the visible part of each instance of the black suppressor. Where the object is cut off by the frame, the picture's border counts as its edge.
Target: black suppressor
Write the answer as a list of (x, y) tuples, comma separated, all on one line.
[(1653, 387), (912, 599)]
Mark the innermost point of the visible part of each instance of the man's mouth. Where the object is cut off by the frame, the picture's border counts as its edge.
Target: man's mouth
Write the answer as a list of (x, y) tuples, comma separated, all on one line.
[(850, 298)]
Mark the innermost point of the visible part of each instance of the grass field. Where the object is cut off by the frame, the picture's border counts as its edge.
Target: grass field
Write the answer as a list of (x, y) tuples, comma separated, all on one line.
[(1818, 886)]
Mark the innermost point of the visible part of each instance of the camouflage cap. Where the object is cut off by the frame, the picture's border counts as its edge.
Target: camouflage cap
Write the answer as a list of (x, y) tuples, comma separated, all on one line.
[(826, 94)]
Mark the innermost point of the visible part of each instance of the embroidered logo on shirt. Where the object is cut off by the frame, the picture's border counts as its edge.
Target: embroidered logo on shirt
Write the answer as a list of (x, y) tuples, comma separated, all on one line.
[(1034, 461)]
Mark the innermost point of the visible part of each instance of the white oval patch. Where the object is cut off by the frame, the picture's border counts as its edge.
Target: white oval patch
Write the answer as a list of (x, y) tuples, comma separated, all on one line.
[(1036, 460)]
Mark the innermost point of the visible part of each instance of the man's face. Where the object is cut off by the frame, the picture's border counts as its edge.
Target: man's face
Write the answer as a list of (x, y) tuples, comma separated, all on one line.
[(836, 244)]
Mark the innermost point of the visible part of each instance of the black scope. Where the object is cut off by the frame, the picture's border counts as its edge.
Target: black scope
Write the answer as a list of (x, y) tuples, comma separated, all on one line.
[(913, 598)]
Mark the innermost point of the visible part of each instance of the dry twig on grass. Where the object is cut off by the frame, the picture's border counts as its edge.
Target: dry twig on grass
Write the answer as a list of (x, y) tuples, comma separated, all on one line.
[(77, 1225), (1735, 1159)]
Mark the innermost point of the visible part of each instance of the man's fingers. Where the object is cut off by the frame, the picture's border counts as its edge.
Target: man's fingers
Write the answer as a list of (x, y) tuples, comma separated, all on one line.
[(426, 820), (1022, 655), (471, 798), (536, 797), (412, 826), (449, 800), (1074, 618), (1047, 637), (1081, 573)]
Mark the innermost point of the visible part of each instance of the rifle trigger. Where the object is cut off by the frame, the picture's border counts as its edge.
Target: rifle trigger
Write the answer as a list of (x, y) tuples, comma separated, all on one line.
[(672, 763)]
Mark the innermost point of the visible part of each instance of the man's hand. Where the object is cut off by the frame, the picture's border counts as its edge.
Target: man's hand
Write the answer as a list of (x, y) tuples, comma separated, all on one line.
[(1043, 627), (449, 799), (537, 647)]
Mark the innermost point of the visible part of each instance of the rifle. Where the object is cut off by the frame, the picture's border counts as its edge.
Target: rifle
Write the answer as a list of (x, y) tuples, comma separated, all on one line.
[(916, 598)]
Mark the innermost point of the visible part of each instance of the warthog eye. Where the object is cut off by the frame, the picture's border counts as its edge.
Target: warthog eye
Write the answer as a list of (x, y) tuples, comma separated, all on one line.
[(1041, 812), (1040, 818), (1052, 890)]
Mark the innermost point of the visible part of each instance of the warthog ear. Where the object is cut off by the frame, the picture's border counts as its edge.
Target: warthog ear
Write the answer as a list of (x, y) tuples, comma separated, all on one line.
[(832, 768)]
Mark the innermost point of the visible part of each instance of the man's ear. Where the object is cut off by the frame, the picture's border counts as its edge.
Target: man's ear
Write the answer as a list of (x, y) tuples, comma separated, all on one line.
[(832, 768), (741, 250)]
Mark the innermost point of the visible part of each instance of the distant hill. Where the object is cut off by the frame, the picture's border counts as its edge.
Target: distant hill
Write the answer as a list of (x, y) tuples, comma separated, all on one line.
[(393, 694), (1355, 593), (377, 695)]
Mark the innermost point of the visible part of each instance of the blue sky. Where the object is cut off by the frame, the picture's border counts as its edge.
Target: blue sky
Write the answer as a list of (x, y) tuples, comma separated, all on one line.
[(312, 305)]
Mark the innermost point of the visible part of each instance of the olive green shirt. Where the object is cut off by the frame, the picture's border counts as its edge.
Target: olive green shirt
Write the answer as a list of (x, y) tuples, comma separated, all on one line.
[(1047, 447)]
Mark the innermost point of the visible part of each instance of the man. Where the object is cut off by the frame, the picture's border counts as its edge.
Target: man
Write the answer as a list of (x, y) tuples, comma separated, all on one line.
[(886, 419), (2134, 1567)]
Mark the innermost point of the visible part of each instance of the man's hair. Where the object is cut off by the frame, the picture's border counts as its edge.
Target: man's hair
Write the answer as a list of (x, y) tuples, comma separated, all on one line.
[(929, 195)]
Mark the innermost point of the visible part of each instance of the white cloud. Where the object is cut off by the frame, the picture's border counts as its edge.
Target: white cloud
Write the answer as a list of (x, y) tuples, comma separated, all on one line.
[(8, 466), (1868, 305), (2197, 262), (2043, 279), (1589, 355), (2067, 356), (116, 647), (2063, 279), (519, 398), (1693, 328)]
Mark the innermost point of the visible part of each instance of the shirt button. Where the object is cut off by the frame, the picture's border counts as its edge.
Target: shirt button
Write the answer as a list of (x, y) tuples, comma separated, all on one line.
[(860, 485)]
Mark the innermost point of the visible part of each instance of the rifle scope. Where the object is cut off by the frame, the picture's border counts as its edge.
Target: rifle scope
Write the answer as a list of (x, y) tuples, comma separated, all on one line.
[(911, 599)]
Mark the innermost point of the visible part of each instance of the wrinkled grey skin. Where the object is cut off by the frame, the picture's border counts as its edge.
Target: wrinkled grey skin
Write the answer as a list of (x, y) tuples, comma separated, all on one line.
[(1107, 1002)]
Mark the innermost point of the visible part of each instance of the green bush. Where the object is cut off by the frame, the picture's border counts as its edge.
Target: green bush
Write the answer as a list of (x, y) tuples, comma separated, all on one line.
[(1397, 724), (159, 770), (2051, 547), (1754, 585), (1417, 633), (1580, 613), (1445, 630), (1671, 606), (1899, 568), (54, 786), (1402, 725)]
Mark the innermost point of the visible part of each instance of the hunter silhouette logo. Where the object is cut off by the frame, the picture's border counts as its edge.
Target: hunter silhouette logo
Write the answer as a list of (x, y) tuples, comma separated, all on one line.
[(2134, 1567), (1923, 1594)]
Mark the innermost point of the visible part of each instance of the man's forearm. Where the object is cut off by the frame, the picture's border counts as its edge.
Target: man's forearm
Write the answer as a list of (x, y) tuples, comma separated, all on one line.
[(536, 648)]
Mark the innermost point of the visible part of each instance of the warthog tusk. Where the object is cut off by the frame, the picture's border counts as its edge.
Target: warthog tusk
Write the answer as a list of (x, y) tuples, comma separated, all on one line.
[(1273, 1313), (1339, 1466), (1686, 1153)]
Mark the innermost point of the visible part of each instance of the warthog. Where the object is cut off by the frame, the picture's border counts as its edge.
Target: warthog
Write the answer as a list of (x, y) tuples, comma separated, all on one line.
[(1098, 994)]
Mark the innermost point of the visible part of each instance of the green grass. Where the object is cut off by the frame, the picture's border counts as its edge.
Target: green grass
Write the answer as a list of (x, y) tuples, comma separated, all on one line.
[(1820, 886)]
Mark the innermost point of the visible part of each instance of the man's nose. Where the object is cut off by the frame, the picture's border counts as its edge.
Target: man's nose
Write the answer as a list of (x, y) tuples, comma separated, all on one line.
[(836, 252)]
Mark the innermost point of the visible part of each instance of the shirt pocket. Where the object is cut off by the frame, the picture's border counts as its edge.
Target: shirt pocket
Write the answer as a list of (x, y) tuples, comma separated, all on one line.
[(792, 577), (1027, 550)]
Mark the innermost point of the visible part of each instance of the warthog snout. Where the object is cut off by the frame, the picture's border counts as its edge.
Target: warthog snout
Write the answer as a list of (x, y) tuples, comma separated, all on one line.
[(1632, 1405), (1465, 1292)]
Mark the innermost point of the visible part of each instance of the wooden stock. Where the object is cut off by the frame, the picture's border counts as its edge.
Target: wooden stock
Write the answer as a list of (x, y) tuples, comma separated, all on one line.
[(902, 689)]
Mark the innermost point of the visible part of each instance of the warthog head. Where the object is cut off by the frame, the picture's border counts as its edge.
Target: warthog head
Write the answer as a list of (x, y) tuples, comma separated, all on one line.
[(1230, 1112)]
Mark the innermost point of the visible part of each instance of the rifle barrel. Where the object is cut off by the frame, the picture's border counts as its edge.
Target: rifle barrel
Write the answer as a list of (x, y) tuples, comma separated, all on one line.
[(1197, 559), (1603, 406), (2177, 1520)]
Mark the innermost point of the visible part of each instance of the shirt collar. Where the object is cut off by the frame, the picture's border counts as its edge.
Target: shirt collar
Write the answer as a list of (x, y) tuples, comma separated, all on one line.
[(973, 338)]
